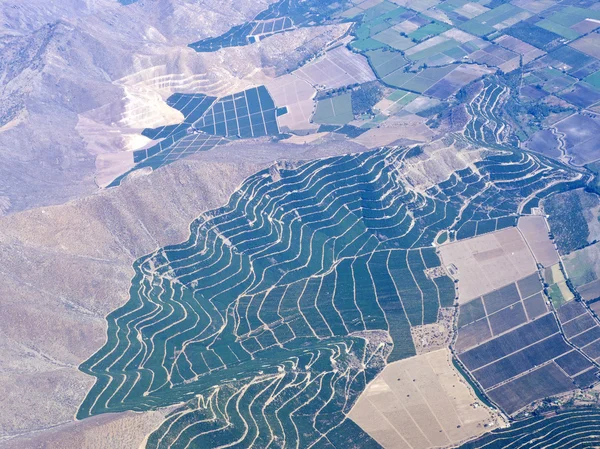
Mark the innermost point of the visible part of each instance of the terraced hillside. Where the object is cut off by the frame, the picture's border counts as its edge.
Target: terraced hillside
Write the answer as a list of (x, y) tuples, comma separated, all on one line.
[(281, 16), (572, 429), (269, 321), (208, 122)]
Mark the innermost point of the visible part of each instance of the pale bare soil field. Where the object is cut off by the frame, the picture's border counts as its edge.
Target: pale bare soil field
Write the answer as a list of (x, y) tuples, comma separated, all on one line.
[(337, 68), (422, 402), (76, 260), (297, 96), (406, 129), (535, 231), (488, 262)]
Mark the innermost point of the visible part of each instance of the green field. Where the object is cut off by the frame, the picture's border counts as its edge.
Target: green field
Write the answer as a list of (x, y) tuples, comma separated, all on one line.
[(593, 79), (334, 111), (272, 302)]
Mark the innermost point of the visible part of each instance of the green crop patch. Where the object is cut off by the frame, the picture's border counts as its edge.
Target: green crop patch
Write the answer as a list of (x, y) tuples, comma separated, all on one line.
[(281, 16), (429, 30), (251, 113), (579, 426), (489, 21), (208, 122), (593, 79), (334, 111), (534, 35), (294, 295)]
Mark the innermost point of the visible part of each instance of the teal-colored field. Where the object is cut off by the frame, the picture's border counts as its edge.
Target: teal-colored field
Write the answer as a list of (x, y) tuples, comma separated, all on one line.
[(334, 111), (269, 321)]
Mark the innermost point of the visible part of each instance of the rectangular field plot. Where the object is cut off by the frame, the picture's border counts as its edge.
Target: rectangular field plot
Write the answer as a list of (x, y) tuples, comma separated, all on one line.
[(507, 335), (473, 334), (501, 298), (497, 312), (334, 111), (337, 68), (527, 51), (502, 365), (540, 383), (581, 328), (535, 230), (296, 96), (488, 262), (417, 402), (507, 318), (535, 36), (495, 19), (439, 82), (251, 113), (573, 363)]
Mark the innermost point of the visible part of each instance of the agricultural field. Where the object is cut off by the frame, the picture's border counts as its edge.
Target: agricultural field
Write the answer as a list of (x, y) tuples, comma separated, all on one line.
[(297, 96), (535, 232), (559, 292), (579, 136), (334, 111), (515, 350), (208, 122), (251, 113), (298, 313), (339, 67), (508, 338), (385, 273), (430, 50), (472, 261), (582, 330), (294, 296), (573, 219), (579, 428), (422, 402), (281, 16), (583, 268)]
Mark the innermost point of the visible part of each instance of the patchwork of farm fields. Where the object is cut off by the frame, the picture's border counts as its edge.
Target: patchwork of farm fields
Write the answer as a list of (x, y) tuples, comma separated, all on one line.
[(275, 323), (270, 320)]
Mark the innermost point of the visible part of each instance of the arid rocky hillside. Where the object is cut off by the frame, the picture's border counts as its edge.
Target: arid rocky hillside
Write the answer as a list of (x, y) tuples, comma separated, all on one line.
[(81, 79), (74, 261)]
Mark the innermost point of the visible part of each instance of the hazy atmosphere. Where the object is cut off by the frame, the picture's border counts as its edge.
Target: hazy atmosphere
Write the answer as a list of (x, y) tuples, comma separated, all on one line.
[(307, 224)]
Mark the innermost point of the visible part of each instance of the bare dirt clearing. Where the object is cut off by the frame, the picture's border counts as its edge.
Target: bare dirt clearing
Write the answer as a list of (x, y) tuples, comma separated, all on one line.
[(535, 230), (421, 402)]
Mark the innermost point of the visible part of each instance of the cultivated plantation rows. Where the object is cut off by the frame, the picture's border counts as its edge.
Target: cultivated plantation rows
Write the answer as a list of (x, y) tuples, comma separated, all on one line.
[(571, 429), (270, 320)]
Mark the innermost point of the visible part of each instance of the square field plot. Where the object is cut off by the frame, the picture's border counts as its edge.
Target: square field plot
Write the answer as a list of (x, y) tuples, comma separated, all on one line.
[(334, 111), (590, 45), (251, 113), (543, 382), (338, 68), (488, 262)]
